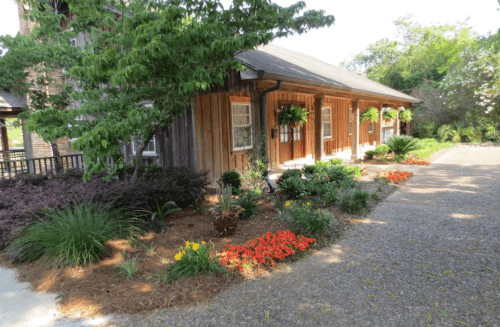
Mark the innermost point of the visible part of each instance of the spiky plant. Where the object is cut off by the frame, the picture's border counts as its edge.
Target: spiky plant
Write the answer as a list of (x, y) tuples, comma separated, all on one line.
[(401, 145)]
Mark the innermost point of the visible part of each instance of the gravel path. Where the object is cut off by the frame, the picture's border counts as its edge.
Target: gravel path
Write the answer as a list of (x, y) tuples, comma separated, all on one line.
[(429, 255)]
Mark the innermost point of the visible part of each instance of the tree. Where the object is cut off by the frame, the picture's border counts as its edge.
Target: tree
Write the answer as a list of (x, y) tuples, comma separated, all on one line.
[(141, 65), (422, 53)]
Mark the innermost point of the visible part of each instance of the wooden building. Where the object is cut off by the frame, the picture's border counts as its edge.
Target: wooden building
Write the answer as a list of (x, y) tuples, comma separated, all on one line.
[(277, 77)]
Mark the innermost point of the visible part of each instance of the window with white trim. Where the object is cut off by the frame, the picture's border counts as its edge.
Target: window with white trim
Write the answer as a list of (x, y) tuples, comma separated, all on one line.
[(242, 126), (297, 133), (149, 150), (327, 123)]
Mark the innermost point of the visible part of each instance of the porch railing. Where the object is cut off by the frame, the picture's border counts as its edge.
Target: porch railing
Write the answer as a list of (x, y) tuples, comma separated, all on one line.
[(12, 155), (48, 165)]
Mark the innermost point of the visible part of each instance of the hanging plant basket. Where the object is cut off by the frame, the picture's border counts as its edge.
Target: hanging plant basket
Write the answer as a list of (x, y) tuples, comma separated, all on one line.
[(292, 116), (405, 116), (370, 115), (390, 115)]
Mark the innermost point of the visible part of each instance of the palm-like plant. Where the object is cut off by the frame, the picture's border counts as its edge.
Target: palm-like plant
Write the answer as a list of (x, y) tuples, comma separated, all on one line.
[(401, 145)]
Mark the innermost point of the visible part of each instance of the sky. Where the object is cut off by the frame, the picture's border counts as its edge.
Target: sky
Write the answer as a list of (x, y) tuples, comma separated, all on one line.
[(358, 23)]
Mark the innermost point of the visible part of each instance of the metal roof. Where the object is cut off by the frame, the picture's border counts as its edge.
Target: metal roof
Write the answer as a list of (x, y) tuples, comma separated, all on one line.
[(274, 62), (8, 100)]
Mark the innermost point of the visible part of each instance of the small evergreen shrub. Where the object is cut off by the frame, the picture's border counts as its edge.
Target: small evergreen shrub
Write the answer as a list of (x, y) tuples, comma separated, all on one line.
[(248, 202), (290, 173), (446, 133), (293, 187), (354, 200), (347, 184), (470, 134), (73, 235), (305, 220), (231, 178), (309, 169), (401, 145), (382, 150), (370, 154), (490, 133), (330, 194)]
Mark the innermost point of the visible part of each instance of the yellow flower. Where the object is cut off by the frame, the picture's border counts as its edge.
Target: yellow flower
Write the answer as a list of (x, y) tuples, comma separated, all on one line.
[(308, 204), (196, 246), (288, 203), (183, 252), (203, 242), (187, 244), (319, 210), (178, 256)]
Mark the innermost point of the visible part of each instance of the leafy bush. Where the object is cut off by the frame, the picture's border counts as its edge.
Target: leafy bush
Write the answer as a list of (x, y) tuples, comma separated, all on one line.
[(309, 169), (490, 133), (370, 154), (293, 187), (429, 146), (330, 194), (405, 115), (248, 202), (354, 200), (470, 134), (382, 150), (427, 130), (447, 133), (308, 221), (290, 173), (191, 259), (73, 235), (347, 184), (401, 145), (231, 178), (25, 199)]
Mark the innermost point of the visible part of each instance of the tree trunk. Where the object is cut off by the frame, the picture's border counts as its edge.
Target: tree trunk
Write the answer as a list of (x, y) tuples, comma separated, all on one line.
[(139, 164), (55, 154)]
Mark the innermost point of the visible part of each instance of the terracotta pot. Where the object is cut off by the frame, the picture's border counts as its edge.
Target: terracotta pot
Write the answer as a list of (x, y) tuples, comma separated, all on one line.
[(295, 124)]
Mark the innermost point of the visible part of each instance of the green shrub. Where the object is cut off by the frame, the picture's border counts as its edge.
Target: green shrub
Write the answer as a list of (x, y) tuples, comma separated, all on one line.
[(369, 154), (335, 162), (382, 150), (447, 133), (231, 178), (353, 170), (307, 221), (401, 145), (248, 202), (427, 130), (490, 133), (191, 260), (315, 182), (354, 200), (309, 169), (470, 134), (290, 173), (293, 187), (73, 235), (347, 184), (330, 194)]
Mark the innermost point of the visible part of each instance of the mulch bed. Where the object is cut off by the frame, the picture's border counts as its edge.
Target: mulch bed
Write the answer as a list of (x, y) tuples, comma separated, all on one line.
[(97, 289)]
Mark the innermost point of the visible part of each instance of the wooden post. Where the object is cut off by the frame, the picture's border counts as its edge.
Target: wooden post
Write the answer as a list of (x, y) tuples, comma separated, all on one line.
[(398, 123), (380, 123), (319, 146), (355, 131), (4, 138)]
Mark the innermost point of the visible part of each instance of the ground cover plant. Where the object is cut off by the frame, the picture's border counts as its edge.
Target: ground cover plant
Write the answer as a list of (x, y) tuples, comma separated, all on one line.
[(430, 146)]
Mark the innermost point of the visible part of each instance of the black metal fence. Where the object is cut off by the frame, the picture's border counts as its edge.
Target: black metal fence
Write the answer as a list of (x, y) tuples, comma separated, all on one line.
[(49, 165), (14, 154)]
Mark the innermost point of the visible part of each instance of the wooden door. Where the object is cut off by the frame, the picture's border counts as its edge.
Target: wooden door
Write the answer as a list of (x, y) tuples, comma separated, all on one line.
[(289, 151)]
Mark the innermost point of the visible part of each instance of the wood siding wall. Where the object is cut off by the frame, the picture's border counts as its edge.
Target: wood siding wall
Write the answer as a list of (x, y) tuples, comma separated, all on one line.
[(340, 124)]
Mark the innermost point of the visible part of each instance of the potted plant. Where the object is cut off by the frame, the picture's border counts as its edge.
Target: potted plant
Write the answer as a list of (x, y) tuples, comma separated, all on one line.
[(369, 115), (390, 115), (405, 116), (225, 215), (292, 116)]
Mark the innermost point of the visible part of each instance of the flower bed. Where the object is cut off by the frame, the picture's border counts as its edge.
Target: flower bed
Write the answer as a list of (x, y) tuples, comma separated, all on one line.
[(415, 162), (396, 176), (264, 250)]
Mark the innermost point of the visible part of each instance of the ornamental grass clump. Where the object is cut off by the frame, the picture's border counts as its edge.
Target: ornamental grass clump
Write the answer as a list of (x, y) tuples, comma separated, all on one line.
[(306, 220), (191, 259), (264, 250), (73, 235), (248, 202), (225, 215), (401, 145), (354, 200)]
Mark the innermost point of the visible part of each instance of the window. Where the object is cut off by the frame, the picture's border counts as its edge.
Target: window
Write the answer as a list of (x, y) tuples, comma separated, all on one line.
[(242, 126), (370, 128), (351, 125), (284, 134), (327, 123), (297, 135), (150, 149)]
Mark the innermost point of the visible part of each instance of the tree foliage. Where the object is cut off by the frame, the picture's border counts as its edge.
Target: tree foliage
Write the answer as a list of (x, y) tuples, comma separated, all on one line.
[(139, 66)]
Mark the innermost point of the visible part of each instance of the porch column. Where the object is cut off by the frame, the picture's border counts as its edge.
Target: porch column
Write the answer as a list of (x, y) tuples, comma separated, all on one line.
[(408, 127), (319, 146), (398, 122), (380, 123), (4, 138), (355, 131), (255, 109)]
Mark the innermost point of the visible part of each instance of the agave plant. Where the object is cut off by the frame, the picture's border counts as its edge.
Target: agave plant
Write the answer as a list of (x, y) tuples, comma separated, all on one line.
[(401, 145)]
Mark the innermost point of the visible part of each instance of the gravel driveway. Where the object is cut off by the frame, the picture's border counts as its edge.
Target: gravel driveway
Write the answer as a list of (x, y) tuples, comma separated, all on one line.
[(428, 255)]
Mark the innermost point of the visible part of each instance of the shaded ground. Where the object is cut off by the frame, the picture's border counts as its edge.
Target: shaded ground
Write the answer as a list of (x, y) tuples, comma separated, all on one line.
[(428, 255)]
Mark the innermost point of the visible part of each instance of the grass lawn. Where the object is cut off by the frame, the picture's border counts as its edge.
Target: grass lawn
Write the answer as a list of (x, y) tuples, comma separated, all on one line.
[(430, 146)]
